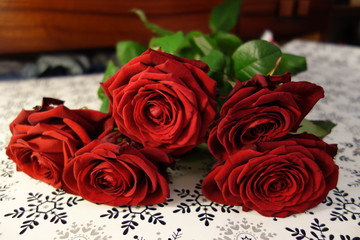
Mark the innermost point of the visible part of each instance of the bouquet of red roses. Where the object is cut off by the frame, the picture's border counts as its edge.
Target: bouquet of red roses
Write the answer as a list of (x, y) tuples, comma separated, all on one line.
[(236, 97)]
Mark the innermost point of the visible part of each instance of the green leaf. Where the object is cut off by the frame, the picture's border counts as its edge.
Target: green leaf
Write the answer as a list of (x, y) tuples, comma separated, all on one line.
[(217, 63), (105, 105), (215, 60), (153, 27), (291, 63), (255, 57), (203, 44), (188, 48), (229, 70), (168, 44), (316, 127), (227, 42), (110, 70), (127, 50), (224, 16), (225, 89)]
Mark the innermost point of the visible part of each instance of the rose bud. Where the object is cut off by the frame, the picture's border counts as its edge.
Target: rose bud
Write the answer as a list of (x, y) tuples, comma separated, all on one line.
[(163, 101)]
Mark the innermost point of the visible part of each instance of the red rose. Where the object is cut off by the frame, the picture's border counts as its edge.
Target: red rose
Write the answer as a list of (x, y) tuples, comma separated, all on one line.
[(117, 174), (277, 179), (258, 110), (46, 137), (163, 101)]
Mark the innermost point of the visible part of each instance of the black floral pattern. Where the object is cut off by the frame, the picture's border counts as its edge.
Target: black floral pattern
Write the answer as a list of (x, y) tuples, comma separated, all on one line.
[(204, 208), (131, 214), (6, 168), (49, 207), (319, 231), (346, 207)]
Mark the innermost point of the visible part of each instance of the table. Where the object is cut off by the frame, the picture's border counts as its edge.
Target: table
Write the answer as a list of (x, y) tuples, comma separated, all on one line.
[(30, 209)]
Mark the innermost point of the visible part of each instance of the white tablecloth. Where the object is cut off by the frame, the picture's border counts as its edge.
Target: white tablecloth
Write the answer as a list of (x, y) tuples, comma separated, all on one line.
[(30, 209)]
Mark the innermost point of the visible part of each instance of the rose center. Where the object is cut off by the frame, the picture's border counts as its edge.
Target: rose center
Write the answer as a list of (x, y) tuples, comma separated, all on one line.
[(158, 111), (277, 186), (262, 128), (107, 181), (155, 111)]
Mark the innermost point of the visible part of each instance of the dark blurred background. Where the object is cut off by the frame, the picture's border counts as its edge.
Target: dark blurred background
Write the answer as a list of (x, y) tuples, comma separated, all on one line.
[(50, 38)]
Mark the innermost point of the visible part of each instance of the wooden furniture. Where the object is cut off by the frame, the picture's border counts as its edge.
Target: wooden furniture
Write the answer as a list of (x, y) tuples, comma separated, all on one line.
[(31, 26), (287, 19), (42, 25), (345, 24)]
